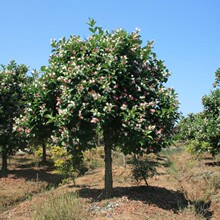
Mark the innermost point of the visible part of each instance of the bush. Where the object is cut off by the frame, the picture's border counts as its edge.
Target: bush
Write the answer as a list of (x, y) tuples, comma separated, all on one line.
[(143, 169), (195, 147), (62, 162)]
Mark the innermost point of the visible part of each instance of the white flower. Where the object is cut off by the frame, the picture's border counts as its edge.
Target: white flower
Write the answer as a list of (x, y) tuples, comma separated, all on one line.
[(138, 88), (108, 107), (62, 111), (71, 104), (151, 127), (123, 107)]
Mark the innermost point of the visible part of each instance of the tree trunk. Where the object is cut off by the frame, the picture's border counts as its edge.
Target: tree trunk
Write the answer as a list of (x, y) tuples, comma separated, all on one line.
[(108, 163), (4, 161), (44, 155)]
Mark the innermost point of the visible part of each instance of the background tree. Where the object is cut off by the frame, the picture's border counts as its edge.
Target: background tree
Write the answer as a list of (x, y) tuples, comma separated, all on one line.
[(189, 127), (202, 130), (109, 82), (211, 105), (13, 81), (217, 78), (37, 107)]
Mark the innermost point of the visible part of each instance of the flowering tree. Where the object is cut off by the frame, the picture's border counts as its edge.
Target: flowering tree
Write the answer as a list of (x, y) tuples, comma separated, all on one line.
[(13, 81), (111, 83), (33, 124)]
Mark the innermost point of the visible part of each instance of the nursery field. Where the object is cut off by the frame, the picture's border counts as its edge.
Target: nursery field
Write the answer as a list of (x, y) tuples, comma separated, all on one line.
[(182, 187)]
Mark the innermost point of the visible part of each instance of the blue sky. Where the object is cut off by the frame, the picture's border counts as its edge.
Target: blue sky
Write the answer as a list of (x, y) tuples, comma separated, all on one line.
[(186, 34)]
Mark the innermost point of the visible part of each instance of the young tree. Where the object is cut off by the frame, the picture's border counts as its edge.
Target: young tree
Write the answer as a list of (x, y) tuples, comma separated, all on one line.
[(13, 81), (110, 82)]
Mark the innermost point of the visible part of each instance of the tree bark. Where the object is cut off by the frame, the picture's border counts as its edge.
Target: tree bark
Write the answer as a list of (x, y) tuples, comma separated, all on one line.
[(108, 163), (4, 161), (44, 155)]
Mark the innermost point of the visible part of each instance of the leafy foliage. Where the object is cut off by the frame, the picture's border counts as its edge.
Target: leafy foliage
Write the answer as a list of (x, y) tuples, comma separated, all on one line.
[(143, 169), (211, 105), (203, 129), (110, 81), (34, 122), (13, 95), (63, 162), (217, 78)]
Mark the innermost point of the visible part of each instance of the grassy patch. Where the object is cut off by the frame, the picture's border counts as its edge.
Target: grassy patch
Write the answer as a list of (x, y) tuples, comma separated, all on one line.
[(61, 207)]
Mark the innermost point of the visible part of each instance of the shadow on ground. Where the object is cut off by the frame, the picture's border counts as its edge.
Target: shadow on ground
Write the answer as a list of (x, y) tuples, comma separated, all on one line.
[(213, 164), (31, 172), (37, 175), (161, 197)]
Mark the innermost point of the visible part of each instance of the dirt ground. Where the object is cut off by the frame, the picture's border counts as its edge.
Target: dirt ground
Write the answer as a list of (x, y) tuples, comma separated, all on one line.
[(167, 196)]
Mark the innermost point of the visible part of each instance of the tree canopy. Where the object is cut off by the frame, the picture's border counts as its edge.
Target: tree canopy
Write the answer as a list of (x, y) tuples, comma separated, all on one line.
[(13, 82), (108, 82)]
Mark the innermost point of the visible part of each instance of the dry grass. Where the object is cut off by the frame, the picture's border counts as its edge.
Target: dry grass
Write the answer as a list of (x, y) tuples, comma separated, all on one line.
[(61, 207), (198, 179)]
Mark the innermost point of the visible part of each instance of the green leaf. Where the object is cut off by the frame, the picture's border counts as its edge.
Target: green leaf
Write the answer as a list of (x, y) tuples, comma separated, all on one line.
[(43, 68), (50, 117), (92, 30), (91, 22)]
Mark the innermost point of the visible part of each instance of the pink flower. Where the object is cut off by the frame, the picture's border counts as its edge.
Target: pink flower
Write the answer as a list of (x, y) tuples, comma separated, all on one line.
[(52, 75), (94, 120), (27, 131), (58, 101), (20, 129), (152, 110), (37, 95), (43, 106), (159, 131), (115, 98), (96, 49), (131, 97)]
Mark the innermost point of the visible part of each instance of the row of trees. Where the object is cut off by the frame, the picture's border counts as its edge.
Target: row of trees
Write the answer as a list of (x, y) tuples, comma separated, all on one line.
[(202, 130), (107, 84)]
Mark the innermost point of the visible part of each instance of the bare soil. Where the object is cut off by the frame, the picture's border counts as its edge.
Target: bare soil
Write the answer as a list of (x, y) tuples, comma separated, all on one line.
[(167, 197)]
